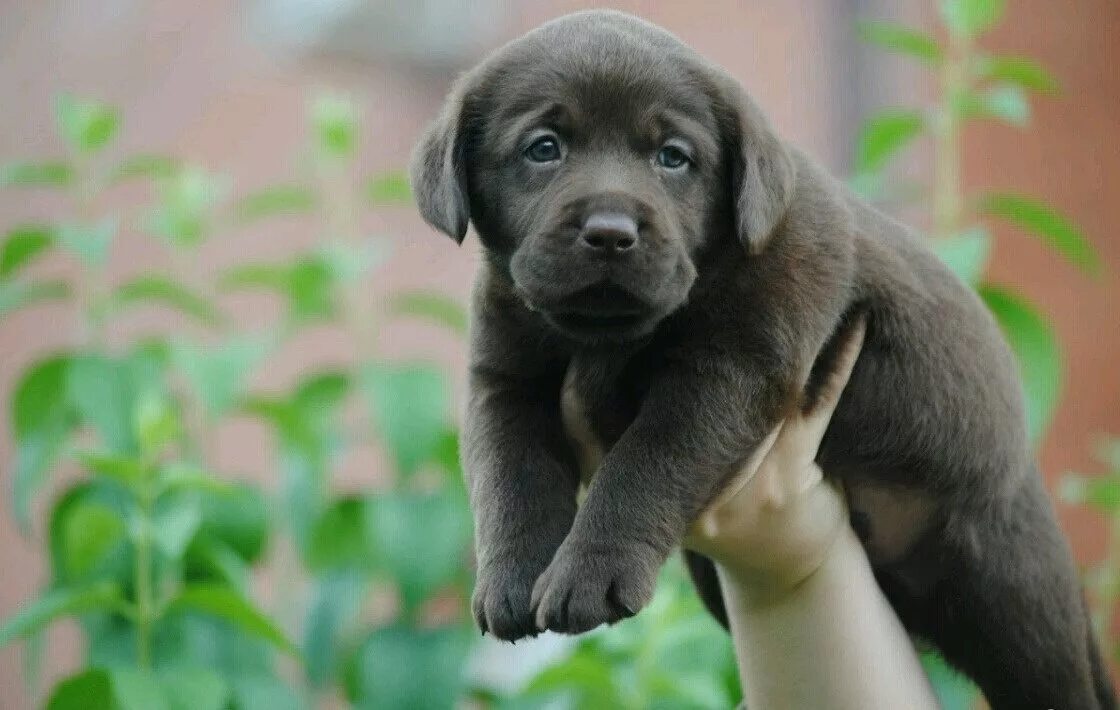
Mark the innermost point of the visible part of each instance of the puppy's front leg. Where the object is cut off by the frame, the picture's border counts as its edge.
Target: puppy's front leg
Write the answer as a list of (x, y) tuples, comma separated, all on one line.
[(523, 483), (692, 430)]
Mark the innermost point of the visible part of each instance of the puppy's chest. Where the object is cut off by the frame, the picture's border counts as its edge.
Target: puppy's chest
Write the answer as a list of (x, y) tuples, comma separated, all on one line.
[(600, 398)]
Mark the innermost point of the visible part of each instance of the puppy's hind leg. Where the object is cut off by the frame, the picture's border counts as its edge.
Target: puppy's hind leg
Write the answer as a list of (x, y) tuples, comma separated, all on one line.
[(1009, 612)]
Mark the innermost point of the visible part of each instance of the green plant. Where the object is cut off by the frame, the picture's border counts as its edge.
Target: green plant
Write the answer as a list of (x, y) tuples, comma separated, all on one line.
[(973, 85), (1101, 493), (151, 549)]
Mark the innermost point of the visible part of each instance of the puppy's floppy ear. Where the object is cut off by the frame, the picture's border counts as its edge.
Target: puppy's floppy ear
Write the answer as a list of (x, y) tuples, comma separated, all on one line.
[(438, 172), (762, 170)]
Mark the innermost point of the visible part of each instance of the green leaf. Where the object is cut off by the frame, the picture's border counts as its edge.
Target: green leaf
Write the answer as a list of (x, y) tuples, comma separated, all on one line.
[(88, 690), (269, 276), (311, 291), (194, 689), (212, 561), (101, 390), (155, 423), (390, 188), (409, 403), (1020, 71), (309, 431), (335, 120), (953, 690), (1036, 349), (159, 289), (127, 470), (23, 244), (100, 596), (308, 284), (342, 537), (16, 295), (41, 416), (89, 242), (137, 690), (902, 40), (1056, 230), (152, 167), (87, 126), (273, 201), (91, 533), (966, 254), (348, 263), (1101, 492), (335, 606), (238, 517), (884, 135), (588, 679), (1007, 103), (172, 689), (406, 667), (226, 604), (174, 522), (183, 216), (86, 535), (49, 174), (970, 18), (218, 372), (264, 693), (179, 476), (433, 307), (421, 540)]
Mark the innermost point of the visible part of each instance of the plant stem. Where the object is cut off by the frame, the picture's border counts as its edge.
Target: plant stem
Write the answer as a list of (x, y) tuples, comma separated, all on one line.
[(948, 202), (93, 274), (145, 607)]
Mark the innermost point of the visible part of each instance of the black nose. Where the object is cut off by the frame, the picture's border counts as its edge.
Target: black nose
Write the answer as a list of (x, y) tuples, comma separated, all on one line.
[(609, 233)]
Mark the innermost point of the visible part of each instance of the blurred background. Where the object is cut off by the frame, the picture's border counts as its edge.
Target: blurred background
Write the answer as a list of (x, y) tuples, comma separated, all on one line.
[(233, 353)]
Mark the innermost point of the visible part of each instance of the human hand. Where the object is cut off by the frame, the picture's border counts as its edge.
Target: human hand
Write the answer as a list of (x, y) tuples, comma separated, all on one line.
[(777, 520)]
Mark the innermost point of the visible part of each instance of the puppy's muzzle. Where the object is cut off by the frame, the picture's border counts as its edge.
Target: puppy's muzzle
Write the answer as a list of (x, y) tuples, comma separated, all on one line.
[(609, 234)]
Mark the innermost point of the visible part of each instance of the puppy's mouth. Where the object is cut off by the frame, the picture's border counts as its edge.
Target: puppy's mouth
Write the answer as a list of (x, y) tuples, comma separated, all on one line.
[(601, 312)]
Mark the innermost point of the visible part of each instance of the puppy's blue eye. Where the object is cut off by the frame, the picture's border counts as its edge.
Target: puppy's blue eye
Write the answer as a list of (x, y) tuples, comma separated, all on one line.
[(543, 150), (672, 157)]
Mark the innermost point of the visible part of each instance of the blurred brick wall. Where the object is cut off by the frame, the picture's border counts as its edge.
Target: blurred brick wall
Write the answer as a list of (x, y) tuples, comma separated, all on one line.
[(1070, 155), (191, 81)]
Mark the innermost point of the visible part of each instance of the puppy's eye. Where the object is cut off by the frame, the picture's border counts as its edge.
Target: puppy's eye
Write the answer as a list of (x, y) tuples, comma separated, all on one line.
[(672, 158), (543, 150)]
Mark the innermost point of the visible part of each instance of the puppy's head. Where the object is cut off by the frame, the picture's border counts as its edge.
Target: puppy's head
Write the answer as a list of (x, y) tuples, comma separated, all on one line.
[(600, 159)]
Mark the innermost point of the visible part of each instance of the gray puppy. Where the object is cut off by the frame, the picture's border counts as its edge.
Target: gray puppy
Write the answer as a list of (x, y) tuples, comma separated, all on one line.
[(655, 251)]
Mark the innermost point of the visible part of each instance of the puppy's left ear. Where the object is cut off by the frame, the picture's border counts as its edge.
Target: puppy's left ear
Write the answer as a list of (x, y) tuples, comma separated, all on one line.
[(762, 170), (438, 171)]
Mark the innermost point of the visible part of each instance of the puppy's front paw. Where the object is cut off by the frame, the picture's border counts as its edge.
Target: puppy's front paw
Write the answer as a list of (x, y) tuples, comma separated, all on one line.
[(501, 600), (585, 587)]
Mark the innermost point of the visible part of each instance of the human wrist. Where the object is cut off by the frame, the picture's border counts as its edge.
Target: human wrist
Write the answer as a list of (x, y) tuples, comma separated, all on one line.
[(756, 589)]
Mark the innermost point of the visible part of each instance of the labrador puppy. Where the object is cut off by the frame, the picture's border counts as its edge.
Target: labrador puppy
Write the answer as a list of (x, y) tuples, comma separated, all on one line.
[(656, 258)]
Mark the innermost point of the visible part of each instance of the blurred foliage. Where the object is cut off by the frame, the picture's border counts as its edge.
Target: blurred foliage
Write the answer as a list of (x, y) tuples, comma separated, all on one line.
[(154, 551), (973, 84), (1101, 494)]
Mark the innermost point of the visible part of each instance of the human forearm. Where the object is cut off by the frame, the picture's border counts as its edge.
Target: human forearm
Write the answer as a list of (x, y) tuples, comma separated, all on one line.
[(831, 641)]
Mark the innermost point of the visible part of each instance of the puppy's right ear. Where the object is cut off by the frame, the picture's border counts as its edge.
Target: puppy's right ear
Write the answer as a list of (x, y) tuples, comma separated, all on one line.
[(438, 172)]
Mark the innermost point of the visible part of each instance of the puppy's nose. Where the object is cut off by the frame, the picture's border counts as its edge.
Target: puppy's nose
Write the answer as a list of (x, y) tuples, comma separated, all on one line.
[(609, 233)]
